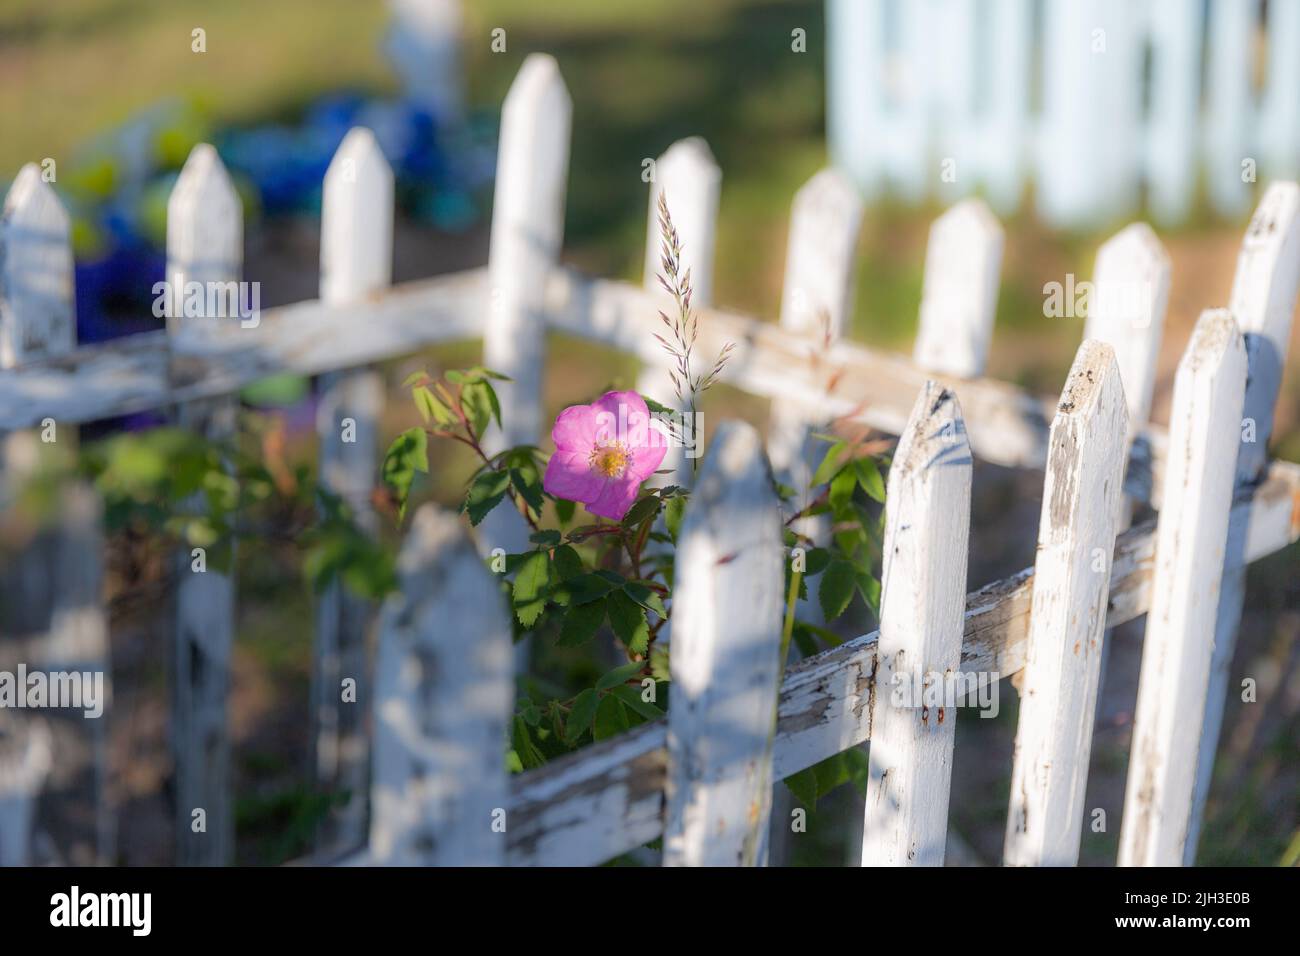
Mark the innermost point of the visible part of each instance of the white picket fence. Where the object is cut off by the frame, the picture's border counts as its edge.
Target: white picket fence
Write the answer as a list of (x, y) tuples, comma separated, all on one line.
[(441, 694), (1095, 101)]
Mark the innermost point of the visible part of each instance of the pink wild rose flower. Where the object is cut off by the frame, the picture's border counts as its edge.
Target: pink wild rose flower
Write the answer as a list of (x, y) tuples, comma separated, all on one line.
[(603, 451)]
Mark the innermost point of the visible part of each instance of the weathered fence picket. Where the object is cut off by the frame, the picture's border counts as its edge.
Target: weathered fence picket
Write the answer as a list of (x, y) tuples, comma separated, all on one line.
[(689, 177), (1262, 301), (1076, 541), (205, 254), (443, 696), (1205, 432), (702, 776), (527, 228), (356, 263), (927, 528), (959, 297), (725, 662)]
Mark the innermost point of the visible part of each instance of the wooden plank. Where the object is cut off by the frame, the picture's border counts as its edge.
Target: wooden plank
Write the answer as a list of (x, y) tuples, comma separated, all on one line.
[(1005, 425), (927, 527), (1192, 532), (356, 262), (1076, 540), (204, 246), (155, 370), (959, 297), (689, 176), (1229, 103), (1262, 300), (1174, 29), (608, 798), (725, 662), (443, 695)]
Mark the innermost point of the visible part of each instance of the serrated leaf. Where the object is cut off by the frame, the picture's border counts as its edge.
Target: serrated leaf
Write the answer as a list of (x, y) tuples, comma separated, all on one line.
[(674, 512), (581, 715), (841, 494), (816, 561), (566, 561), (619, 675), (581, 623), (836, 588), (522, 742), (589, 587), (804, 786), (869, 587), (485, 493), (564, 510), (642, 509), (628, 620), (529, 489), (646, 597), (868, 473), (408, 454), (611, 718), (529, 591), (548, 538), (631, 697), (430, 407)]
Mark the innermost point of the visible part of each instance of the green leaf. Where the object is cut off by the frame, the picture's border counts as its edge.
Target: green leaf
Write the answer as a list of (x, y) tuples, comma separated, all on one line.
[(430, 407), (589, 587), (816, 561), (420, 376), (631, 697), (611, 718), (485, 493), (830, 463), (548, 538), (868, 473), (408, 454), (581, 716), (564, 510), (619, 675), (530, 489), (654, 406), (565, 560), (646, 597), (522, 742), (581, 623), (842, 486), (804, 786), (869, 587), (836, 588), (530, 588), (674, 511), (628, 620), (644, 508)]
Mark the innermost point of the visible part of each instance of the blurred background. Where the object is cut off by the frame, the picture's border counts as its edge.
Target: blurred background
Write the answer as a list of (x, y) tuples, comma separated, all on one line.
[(1068, 148)]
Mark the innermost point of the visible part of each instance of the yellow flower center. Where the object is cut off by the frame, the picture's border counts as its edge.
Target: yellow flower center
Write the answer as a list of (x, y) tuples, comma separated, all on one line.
[(610, 460)]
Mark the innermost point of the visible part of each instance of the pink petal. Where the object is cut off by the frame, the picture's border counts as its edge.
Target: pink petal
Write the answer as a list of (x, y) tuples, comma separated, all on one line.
[(569, 476), (622, 417), (575, 429), (644, 462), (614, 499)]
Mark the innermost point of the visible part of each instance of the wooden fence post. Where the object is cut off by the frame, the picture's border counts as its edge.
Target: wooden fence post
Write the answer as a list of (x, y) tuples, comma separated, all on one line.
[(1263, 296), (204, 245), (923, 606), (58, 579), (1204, 434), (816, 301), (527, 229), (1076, 539), (963, 263), (356, 262), (689, 176), (725, 662), (24, 763), (443, 695)]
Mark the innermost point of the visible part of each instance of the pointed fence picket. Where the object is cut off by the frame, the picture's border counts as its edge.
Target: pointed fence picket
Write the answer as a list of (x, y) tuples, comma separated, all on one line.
[(923, 597), (1191, 536), (701, 777), (1076, 539), (356, 263)]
